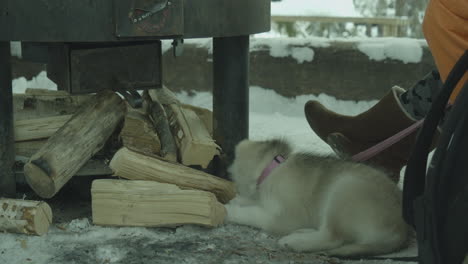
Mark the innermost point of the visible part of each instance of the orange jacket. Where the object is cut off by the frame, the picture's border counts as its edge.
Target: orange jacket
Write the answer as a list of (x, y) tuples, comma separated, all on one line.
[(445, 27)]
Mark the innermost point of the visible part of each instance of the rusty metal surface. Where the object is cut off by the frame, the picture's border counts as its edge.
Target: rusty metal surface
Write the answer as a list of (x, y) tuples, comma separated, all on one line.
[(147, 18), (90, 67), (112, 20), (132, 66), (224, 18), (56, 20), (58, 66)]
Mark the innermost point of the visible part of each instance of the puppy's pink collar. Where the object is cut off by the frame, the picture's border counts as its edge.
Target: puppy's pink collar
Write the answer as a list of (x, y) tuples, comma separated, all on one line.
[(277, 160)]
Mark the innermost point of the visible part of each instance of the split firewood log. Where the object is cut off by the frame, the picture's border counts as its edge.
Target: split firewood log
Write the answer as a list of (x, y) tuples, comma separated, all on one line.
[(205, 115), (161, 124), (138, 134), (28, 148), (196, 146), (38, 128), (66, 151), (134, 166), (37, 103), (192, 136), (24, 217), (152, 204)]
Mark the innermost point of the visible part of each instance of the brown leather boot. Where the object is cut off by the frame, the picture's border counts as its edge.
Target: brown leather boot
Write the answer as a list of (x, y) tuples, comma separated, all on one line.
[(349, 135)]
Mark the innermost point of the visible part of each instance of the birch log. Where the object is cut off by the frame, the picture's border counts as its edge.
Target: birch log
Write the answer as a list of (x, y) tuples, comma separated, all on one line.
[(39, 128), (25, 217), (152, 204), (74, 144), (134, 166), (205, 115), (28, 148), (196, 146), (37, 103)]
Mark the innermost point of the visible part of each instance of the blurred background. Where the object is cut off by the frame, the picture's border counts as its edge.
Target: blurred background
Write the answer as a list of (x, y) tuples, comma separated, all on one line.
[(347, 18)]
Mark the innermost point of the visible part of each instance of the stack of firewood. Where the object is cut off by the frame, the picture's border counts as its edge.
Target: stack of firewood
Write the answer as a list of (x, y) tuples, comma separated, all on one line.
[(152, 152)]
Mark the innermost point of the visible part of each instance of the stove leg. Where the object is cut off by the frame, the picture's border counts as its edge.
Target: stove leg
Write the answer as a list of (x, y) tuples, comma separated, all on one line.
[(230, 95), (7, 155)]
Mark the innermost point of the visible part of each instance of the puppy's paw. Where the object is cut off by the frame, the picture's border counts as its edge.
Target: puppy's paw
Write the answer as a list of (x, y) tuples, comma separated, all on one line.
[(293, 241), (233, 213)]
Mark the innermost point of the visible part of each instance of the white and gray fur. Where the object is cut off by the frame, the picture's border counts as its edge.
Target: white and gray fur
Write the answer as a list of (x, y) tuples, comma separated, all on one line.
[(317, 204)]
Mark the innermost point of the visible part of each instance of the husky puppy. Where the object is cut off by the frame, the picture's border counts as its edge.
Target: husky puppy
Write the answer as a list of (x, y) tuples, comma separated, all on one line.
[(317, 204)]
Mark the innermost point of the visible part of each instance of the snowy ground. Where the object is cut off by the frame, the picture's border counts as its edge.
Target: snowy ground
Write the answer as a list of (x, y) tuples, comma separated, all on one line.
[(73, 239)]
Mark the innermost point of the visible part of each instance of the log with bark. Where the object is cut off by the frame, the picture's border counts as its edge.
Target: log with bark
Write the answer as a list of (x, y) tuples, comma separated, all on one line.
[(24, 217), (192, 134), (134, 166), (152, 204), (74, 144), (159, 117)]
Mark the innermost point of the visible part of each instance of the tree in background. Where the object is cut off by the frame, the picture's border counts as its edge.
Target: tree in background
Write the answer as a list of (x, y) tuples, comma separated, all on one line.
[(373, 8), (414, 10)]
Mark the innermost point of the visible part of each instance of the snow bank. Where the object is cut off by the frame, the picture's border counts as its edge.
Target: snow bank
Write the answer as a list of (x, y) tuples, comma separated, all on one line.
[(302, 54), (278, 47), (298, 48), (404, 49), (40, 81)]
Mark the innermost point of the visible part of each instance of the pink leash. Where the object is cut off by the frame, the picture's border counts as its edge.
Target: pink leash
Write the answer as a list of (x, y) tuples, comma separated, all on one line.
[(383, 145), (361, 156)]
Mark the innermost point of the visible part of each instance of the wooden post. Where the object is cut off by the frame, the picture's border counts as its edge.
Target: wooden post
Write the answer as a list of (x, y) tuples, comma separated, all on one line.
[(134, 166), (25, 217), (74, 144)]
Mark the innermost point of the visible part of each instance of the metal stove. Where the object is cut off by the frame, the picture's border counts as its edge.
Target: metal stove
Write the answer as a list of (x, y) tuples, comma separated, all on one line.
[(90, 45)]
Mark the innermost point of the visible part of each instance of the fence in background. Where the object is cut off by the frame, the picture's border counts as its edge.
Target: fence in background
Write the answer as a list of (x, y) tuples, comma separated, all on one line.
[(387, 27)]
